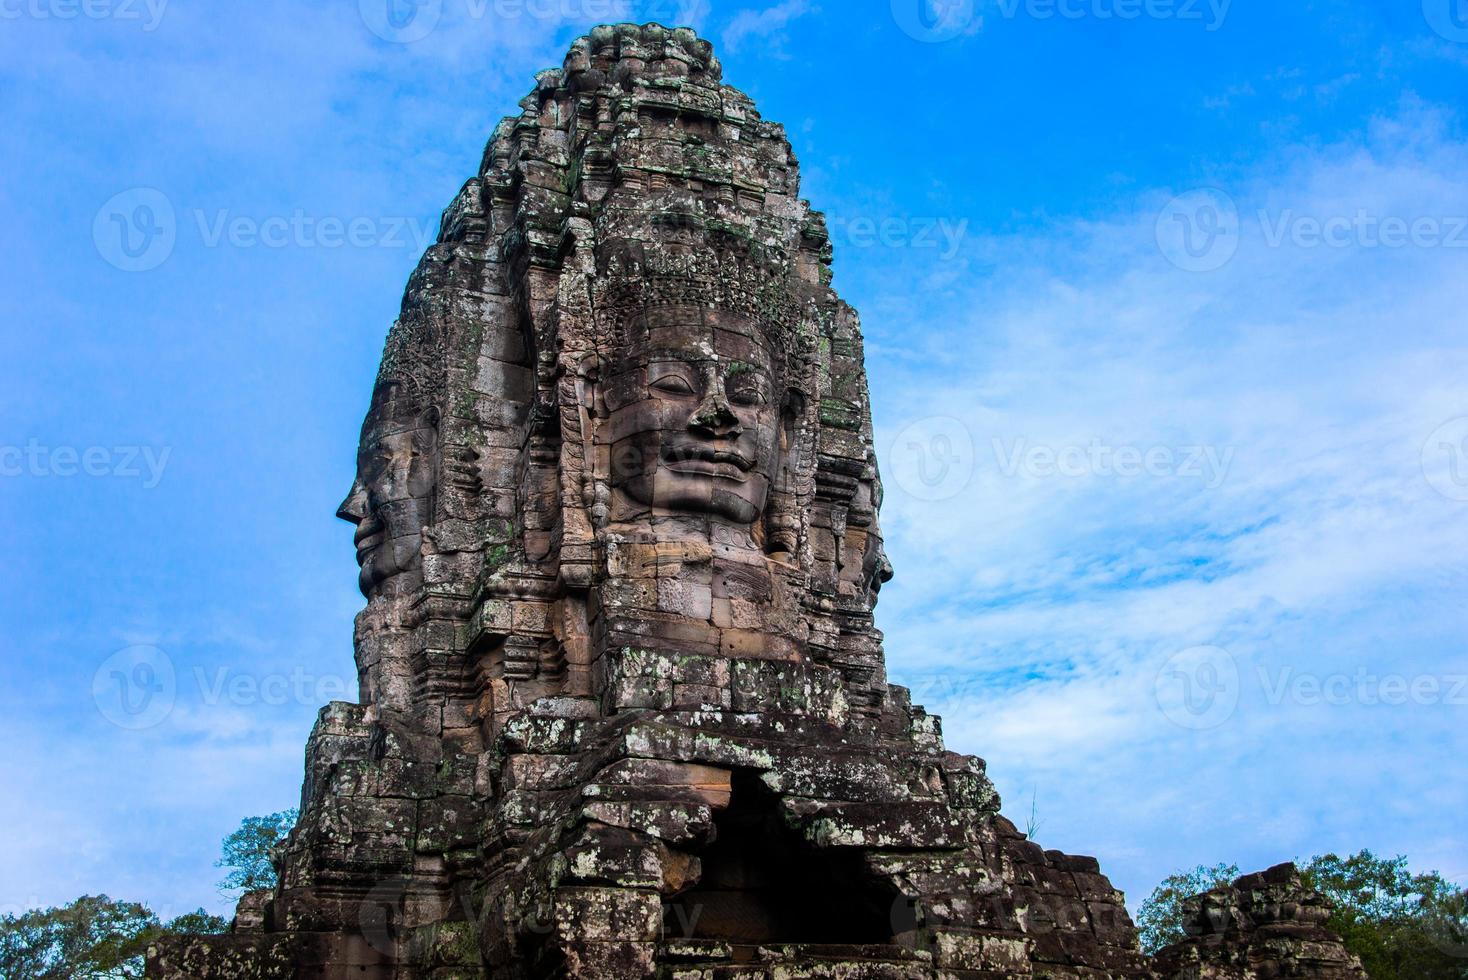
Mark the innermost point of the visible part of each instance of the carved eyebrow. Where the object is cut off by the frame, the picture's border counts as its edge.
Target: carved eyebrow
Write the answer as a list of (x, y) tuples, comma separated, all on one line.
[(681, 356), (744, 367)]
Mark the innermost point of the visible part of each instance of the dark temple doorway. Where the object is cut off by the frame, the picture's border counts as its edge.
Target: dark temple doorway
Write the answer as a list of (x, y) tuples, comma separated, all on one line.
[(762, 882)]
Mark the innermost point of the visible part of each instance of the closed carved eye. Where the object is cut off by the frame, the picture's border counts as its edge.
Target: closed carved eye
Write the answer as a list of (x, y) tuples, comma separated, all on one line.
[(745, 387), (673, 384), (746, 394)]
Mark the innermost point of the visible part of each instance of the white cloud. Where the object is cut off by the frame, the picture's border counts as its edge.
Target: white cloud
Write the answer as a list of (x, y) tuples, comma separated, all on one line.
[(768, 24), (1035, 609)]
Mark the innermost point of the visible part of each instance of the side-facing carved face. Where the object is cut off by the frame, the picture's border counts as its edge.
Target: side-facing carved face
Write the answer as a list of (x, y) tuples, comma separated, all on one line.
[(693, 414), (392, 499)]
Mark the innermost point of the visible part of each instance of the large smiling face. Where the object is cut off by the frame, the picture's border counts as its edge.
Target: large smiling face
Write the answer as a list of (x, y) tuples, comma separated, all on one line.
[(693, 415), (392, 499)]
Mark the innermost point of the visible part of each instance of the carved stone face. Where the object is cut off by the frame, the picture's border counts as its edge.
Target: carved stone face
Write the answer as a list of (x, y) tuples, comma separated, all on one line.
[(392, 499), (693, 415)]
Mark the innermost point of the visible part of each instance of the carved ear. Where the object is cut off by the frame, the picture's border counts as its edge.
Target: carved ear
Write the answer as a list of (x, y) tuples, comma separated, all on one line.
[(792, 409), (782, 517), (794, 403), (383, 396), (392, 400), (590, 371)]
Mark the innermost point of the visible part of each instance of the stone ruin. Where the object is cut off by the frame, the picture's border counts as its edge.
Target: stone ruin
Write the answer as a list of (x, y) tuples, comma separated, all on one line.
[(1263, 925), (624, 709)]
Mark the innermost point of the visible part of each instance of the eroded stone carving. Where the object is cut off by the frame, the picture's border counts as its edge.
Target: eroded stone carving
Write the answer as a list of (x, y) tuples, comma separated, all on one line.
[(624, 709), (391, 500), (1269, 924), (690, 419)]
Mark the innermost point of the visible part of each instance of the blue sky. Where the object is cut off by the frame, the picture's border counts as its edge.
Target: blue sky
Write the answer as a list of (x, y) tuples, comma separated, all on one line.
[(1165, 308)]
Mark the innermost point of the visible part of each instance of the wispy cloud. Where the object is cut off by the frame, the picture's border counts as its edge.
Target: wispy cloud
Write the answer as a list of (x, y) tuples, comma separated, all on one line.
[(1038, 601), (767, 25)]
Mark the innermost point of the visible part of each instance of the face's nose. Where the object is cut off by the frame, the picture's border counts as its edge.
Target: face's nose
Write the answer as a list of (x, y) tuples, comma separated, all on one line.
[(715, 418), (354, 508)]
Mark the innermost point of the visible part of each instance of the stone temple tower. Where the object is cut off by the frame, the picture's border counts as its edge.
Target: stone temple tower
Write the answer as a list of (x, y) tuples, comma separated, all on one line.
[(624, 711)]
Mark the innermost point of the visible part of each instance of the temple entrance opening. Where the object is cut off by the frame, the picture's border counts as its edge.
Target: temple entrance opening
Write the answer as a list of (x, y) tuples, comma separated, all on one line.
[(764, 883)]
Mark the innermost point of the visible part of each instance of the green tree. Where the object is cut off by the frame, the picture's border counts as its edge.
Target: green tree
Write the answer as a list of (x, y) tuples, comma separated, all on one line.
[(197, 923), (1160, 918), (1404, 926), (247, 852), (93, 938)]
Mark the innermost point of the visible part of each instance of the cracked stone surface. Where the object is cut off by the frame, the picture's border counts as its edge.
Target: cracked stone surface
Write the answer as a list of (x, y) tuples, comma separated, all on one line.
[(624, 709)]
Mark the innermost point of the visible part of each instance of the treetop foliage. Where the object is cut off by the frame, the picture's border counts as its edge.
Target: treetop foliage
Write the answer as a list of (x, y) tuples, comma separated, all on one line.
[(247, 852), (1403, 926), (93, 938)]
